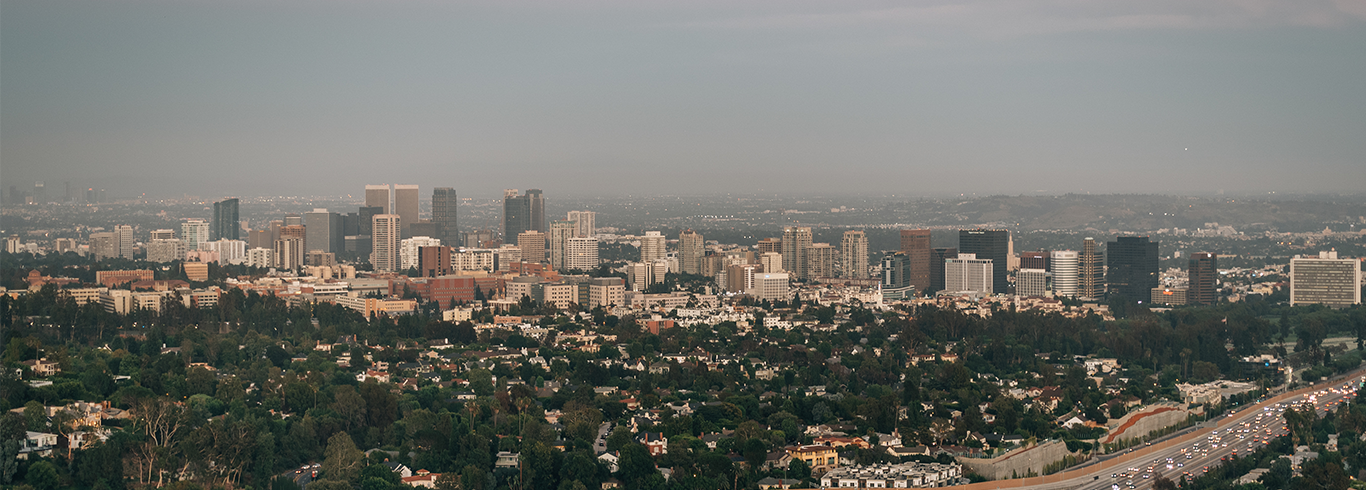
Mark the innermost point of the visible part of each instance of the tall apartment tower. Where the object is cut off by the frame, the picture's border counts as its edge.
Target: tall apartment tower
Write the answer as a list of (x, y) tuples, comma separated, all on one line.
[(938, 256), (1323, 280), (796, 239), (384, 248), (854, 255), (103, 245), (916, 245), (896, 270), (586, 222), (523, 213), (1063, 265), (652, 247), (124, 235), (225, 220), (194, 232), (290, 245), (690, 251), (1204, 279), (405, 206), (323, 231), (444, 207), (377, 195), (771, 262), (1090, 271), (1131, 267), (967, 273), (820, 260), (560, 233), (993, 245), (532, 244), (767, 245), (582, 254)]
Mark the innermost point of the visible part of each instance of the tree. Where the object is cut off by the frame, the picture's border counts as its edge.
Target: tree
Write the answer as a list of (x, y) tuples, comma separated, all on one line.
[(635, 466), (342, 461), (164, 424), (42, 476)]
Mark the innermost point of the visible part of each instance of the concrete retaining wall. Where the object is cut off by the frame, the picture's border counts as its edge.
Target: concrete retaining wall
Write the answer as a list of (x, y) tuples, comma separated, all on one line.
[(1017, 463)]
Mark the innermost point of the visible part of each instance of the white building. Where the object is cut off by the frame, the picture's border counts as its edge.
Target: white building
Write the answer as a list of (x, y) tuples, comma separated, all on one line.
[(194, 232), (771, 262), (1064, 265), (165, 250), (652, 246), (584, 222), (1325, 280), (474, 259), (772, 286), (229, 251), (1034, 282), (854, 255), (409, 254), (260, 257), (582, 253), (606, 292), (967, 274), (639, 276), (385, 235)]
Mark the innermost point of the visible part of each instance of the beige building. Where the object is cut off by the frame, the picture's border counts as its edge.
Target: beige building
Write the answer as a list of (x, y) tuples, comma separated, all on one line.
[(691, 247), (384, 250), (770, 286), (771, 262), (584, 223), (820, 260), (652, 246), (606, 292), (103, 245), (561, 231), (854, 255), (796, 241), (532, 244), (582, 253)]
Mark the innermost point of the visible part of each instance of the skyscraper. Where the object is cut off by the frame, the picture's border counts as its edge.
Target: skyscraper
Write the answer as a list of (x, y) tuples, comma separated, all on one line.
[(560, 233), (1131, 267), (969, 274), (225, 220), (366, 219), (532, 244), (652, 247), (384, 250), (405, 206), (993, 245), (854, 255), (1034, 260), (103, 245), (323, 231), (1204, 279), (1090, 271), (767, 245), (796, 239), (1323, 280), (820, 260), (690, 250), (523, 213), (938, 256), (194, 232), (582, 254), (1063, 265), (896, 270), (377, 196), (586, 222), (124, 235), (444, 205), (916, 245)]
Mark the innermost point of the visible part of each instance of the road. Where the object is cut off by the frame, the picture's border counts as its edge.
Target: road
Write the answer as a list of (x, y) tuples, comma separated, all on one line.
[(1194, 453)]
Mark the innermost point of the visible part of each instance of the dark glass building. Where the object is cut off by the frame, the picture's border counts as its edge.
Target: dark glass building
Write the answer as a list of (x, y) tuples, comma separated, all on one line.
[(1204, 279), (443, 216), (989, 244), (916, 245), (1132, 267), (937, 258), (225, 225), (523, 213)]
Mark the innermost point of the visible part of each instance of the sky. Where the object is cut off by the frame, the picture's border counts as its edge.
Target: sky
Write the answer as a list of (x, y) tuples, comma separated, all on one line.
[(616, 97)]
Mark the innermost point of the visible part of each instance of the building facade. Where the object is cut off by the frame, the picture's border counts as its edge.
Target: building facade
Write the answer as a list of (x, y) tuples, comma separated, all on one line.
[(854, 255), (916, 245), (969, 274), (585, 222), (384, 248), (226, 224), (1131, 267), (1063, 265), (1325, 280), (1203, 273), (444, 211), (1090, 271), (796, 241), (532, 244), (993, 245)]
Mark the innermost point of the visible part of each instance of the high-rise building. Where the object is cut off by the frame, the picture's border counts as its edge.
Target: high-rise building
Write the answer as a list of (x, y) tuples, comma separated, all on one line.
[(229, 251), (292, 219), (1063, 265), (226, 224), (916, 245), (405, 206), (1324, 280), (1090, 271), (854, 255), (586, 221), (193, 232), (1131, 267), (582, 254), (896, 270), (1033, 282), (323, 231), (444, 207), (606, 292), (434, 261), (969, 274), (261, 257), (993, 245), (938, 258), (766, 245), (740, 277), (377, 196), (124, 234), (162, 234), (481, 239), (532, 244), (560, 233), (771, 286), (639, 275), (384, 248), (796, 239), (652, 246), (1034, 260), (690, 251), (771, 262), (103, 245), (289, 247), (523, 213), (410, 250), (1204, 279), (365, 219), (820, 260)]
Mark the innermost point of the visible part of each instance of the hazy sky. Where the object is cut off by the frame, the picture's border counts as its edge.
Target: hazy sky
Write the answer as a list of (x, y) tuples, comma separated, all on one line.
[(633, 96)]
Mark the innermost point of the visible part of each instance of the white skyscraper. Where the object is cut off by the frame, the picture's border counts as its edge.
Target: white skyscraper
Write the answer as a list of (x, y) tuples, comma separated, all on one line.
[(582, 254), (854, 255), (652, 246), (1064, 265), (124, 235), (585, 222), (385, 235), (194, 232), (229, 251), (772, 286), (968, 274)]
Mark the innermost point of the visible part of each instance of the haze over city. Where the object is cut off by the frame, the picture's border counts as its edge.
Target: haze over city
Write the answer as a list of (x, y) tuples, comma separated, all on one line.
[(591, 98)]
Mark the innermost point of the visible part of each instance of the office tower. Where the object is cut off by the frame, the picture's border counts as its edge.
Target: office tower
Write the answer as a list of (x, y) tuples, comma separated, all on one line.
[(1131, 267), (289, 246), (532, 244), (480, 238), (1091, 271), (259, 239), (766, 245), (226, 224), (938, 256), (771, 262), (796, 239), (292, 219), (444, 204), (582, 254), (434, 261), (422, 227), (1034, 260), (39, 193), (90, 196), (506, 255), (652, 246), (740, 277), (771, 286), (366, 219), (405, 206), (1325, 280), (1033, 282), (606, 292), (896, 270), (350, 224), (820, 261), (1063, 265), (384, 242), (377, 196), (162, 234), (1204, 279), (585, 221), (854, 255), (261, 257), (690, 251), (64, 245), (323, 231), (916, 245), (103, 245), (13, 244), (523, 213), (409, 250), (993, 245), (560, 233), (639, 276), (193, 232), (124, 234), (229, 251), (969, 274)]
